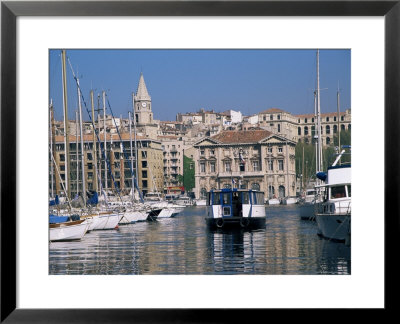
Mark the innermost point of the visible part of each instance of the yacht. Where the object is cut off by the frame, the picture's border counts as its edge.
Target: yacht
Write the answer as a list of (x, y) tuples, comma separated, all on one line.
[(235, 207), (334, 212)]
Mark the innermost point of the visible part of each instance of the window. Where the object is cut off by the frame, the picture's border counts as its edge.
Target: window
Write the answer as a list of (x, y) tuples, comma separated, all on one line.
[(216, 198), (279, 117), (201, 152), (342, 118), (202, 167), (298, 130), (305, 120), (270, 166), (269, 149), (280, 149), (212, 152), (212, 167), (327, 119), (144, 174), (271, 191), (241, 167), (306, 130), (144, 155), (312, 120), (279, 128), (334, 129), (246, 199), (338, 192), (144, 164), (349, 190), (227, 166), (271, 117), (256, 166), (328, 129), (144, 184), (89, 156), (255, 186), (280, 165), (62, 157), (226, 198)]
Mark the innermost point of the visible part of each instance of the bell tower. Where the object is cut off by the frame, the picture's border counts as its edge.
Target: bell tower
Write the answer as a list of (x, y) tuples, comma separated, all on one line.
[(142, 104)]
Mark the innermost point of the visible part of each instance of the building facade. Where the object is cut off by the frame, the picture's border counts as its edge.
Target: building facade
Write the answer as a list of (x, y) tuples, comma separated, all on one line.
[(114, 175), (253, 159)]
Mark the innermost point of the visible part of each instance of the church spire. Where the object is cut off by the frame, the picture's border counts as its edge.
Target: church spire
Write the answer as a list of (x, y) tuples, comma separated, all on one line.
[(141, 93)]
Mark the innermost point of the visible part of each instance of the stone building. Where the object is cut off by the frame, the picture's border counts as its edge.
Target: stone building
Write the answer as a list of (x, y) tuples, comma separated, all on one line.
[(251, 159), (172, 162), (118, 175), (302, 127)]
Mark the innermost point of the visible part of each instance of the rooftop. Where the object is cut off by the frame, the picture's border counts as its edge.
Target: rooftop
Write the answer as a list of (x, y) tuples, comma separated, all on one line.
[(243, 136)]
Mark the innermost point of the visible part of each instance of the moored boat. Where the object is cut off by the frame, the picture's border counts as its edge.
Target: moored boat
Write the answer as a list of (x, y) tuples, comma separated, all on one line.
[(68, 231), (235, 208), (334, 213)]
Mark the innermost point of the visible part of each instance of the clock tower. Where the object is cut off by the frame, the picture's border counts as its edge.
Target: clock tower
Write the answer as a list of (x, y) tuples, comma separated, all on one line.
[(142, 104)]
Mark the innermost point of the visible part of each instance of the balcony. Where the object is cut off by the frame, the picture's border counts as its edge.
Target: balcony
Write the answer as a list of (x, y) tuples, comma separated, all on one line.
[(236, 174)]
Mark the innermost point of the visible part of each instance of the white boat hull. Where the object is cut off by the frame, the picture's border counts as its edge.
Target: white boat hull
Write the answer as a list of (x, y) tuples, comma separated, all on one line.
[(133, 216), (334, 226), (273, 201), (107, 221), (68, 233)]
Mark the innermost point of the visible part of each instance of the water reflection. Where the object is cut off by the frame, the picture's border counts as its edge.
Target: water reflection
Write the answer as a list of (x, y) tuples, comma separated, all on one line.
[(184, 245)]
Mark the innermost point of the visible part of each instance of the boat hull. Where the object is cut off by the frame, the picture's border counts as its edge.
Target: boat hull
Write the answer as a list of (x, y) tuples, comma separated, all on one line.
[(236, 222), (66, 232), (133, 217), (334, 226), (307, 211)]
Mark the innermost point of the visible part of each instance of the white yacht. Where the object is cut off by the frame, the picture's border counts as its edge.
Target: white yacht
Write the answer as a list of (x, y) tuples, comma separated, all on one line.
[(334, 213), (235, 207)]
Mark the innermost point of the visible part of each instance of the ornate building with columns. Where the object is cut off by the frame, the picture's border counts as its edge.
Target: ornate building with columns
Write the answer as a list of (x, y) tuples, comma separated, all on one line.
[(248, 159)]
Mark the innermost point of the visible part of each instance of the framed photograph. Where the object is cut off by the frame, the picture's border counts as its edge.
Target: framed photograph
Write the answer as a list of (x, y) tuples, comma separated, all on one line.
[(43, 282)]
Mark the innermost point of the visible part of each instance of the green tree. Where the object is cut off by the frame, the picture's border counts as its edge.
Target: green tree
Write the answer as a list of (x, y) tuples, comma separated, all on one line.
[(188, 173)]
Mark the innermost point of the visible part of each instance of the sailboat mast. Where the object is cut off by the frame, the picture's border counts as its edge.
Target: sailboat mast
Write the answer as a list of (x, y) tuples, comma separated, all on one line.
[(77, 151), (316, 132), (319, 118), (134, 134), (82, 147), (51, 147), (105, 141), (66, 131), (338, 117), (94, 142), (130, 141)]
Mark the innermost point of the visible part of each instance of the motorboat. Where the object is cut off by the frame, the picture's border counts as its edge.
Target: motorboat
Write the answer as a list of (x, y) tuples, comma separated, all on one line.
[(200, 202), (334, 212), (235, 208), (289, 200), (184, 201), (273, 201)]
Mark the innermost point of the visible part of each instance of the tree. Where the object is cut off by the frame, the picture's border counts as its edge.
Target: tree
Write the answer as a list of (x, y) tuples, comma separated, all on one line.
[(188, 173)]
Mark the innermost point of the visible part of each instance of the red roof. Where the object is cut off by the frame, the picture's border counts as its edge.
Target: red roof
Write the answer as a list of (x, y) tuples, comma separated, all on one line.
[(242, 136)]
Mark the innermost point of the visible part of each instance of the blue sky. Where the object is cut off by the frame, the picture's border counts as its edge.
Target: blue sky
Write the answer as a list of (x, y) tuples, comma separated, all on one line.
[(188, 80)]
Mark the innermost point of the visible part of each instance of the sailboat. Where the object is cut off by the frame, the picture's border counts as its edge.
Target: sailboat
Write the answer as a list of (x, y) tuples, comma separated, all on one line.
[(307, 207)]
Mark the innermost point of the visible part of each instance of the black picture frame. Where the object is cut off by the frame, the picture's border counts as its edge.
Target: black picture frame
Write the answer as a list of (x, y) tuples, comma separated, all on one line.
[(10, 10)]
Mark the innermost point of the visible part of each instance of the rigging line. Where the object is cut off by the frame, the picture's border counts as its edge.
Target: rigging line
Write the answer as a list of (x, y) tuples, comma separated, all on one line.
[(123, 149), (96, 132)]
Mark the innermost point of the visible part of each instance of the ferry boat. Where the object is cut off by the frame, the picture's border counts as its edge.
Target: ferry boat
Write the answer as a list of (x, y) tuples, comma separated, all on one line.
[(235, 208), (334, 213)]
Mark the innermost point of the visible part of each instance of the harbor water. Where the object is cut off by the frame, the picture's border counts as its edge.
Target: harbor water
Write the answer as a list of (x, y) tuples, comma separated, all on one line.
[(184, 245)]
